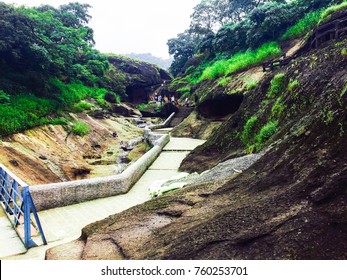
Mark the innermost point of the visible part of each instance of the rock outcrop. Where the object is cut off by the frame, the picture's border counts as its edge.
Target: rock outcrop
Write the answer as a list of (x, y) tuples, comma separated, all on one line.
[(291, 204), (141, 78)]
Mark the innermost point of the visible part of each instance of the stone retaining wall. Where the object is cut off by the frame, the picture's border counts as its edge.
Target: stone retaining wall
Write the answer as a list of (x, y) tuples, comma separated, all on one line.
[(68, 193)]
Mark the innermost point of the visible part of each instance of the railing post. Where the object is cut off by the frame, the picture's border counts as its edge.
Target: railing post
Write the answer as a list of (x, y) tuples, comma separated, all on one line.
[(28, 242)]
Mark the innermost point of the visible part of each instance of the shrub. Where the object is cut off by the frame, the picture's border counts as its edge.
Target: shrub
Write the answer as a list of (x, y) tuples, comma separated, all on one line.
[(278, 85), (304, 25), (267, 132), (248, 132), (80, 128), (278, 108)]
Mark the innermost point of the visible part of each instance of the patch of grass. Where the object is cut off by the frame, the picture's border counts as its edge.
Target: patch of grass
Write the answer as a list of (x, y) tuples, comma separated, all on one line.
[(59, 122), (241, 61), (80, 128), (224, 81), (266, 132), (248, 132), (250, 83), (329, 11), (278, 85), (82, 106), (156, 204), (278, 108), (143, 106), (304, 25), (24, 111), (293, 85)]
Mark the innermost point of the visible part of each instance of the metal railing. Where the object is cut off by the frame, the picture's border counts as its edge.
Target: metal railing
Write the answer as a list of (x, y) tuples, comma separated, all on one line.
[(18, 204)]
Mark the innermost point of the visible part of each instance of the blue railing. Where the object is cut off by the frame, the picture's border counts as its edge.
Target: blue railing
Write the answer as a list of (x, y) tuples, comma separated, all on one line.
[(16, 200)]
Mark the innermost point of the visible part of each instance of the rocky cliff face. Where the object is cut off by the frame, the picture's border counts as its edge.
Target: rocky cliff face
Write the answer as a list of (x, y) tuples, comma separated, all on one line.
[(141, 78), (291, 204)]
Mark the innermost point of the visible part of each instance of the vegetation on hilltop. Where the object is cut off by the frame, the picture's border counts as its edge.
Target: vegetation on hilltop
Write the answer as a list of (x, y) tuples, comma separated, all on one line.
[(233, 40), (48, 64)]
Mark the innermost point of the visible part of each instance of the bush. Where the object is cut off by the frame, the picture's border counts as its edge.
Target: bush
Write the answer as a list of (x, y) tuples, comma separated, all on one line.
[(303, 26), (80, 128), (248, 132), (267, 132), (59, 122), (278, 85)]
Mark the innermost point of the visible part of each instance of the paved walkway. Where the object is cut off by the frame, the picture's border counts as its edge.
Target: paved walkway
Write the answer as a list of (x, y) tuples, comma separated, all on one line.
[(64, 224)]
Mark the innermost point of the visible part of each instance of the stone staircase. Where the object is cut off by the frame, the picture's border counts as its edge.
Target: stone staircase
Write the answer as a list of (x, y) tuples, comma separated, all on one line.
[(183, 113)]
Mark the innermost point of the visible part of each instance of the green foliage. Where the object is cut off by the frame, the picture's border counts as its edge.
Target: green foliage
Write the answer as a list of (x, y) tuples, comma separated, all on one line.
[(293, 85), (143, 106), (303, 26), (266, 132), (344, 52), (59, 122), (23, 112), (278, 85), (278, 108), (248, 132), (250, 83), (82, 106), (344, 90), (80, 128), (4, 97), (329, 11), (241, 61), (224, 81)]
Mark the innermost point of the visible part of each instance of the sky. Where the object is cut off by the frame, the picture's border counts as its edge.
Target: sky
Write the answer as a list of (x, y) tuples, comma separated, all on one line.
[(126, 26)]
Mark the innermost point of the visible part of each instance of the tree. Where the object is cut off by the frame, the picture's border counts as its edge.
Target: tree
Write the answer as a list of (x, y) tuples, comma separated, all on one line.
[(182, 48)]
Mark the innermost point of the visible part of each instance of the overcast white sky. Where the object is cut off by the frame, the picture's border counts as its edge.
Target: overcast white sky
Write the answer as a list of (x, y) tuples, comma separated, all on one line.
[(125, 26)]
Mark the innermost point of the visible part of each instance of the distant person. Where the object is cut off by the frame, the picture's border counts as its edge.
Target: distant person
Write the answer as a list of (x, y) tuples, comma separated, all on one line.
[(186, 102), (166, 99), (160, 99), (173, 99)]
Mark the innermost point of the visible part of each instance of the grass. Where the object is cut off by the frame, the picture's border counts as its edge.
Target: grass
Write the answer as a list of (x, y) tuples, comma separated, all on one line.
[(293, 85), (248, 132), (329, 11), (304, 25), (278, 85), (241, 61), (277, 108), (82, 106), (80, 128), (266, 132)]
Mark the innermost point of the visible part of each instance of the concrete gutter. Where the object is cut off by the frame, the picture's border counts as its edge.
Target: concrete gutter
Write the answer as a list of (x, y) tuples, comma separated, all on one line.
[(73, 192), (166, 123)]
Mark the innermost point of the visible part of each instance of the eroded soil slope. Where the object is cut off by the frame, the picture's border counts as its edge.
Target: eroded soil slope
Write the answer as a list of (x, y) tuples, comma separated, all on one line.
[(50, 154)]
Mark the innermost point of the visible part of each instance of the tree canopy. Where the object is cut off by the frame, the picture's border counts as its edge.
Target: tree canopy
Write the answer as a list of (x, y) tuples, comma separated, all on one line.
[(230, 26)]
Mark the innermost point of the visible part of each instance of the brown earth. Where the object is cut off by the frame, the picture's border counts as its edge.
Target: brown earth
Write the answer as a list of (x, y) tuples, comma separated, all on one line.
[(50, 154)]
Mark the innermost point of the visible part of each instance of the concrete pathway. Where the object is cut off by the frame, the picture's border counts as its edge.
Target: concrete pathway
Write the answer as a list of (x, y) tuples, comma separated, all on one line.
[(64, 224)]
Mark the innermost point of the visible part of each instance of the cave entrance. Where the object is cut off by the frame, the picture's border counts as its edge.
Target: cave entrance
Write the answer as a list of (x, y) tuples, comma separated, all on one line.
[(220, 106), (137, 95)]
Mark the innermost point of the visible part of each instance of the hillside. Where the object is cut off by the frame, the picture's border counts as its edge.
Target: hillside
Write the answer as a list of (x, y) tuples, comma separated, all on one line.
[(290, 204)]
